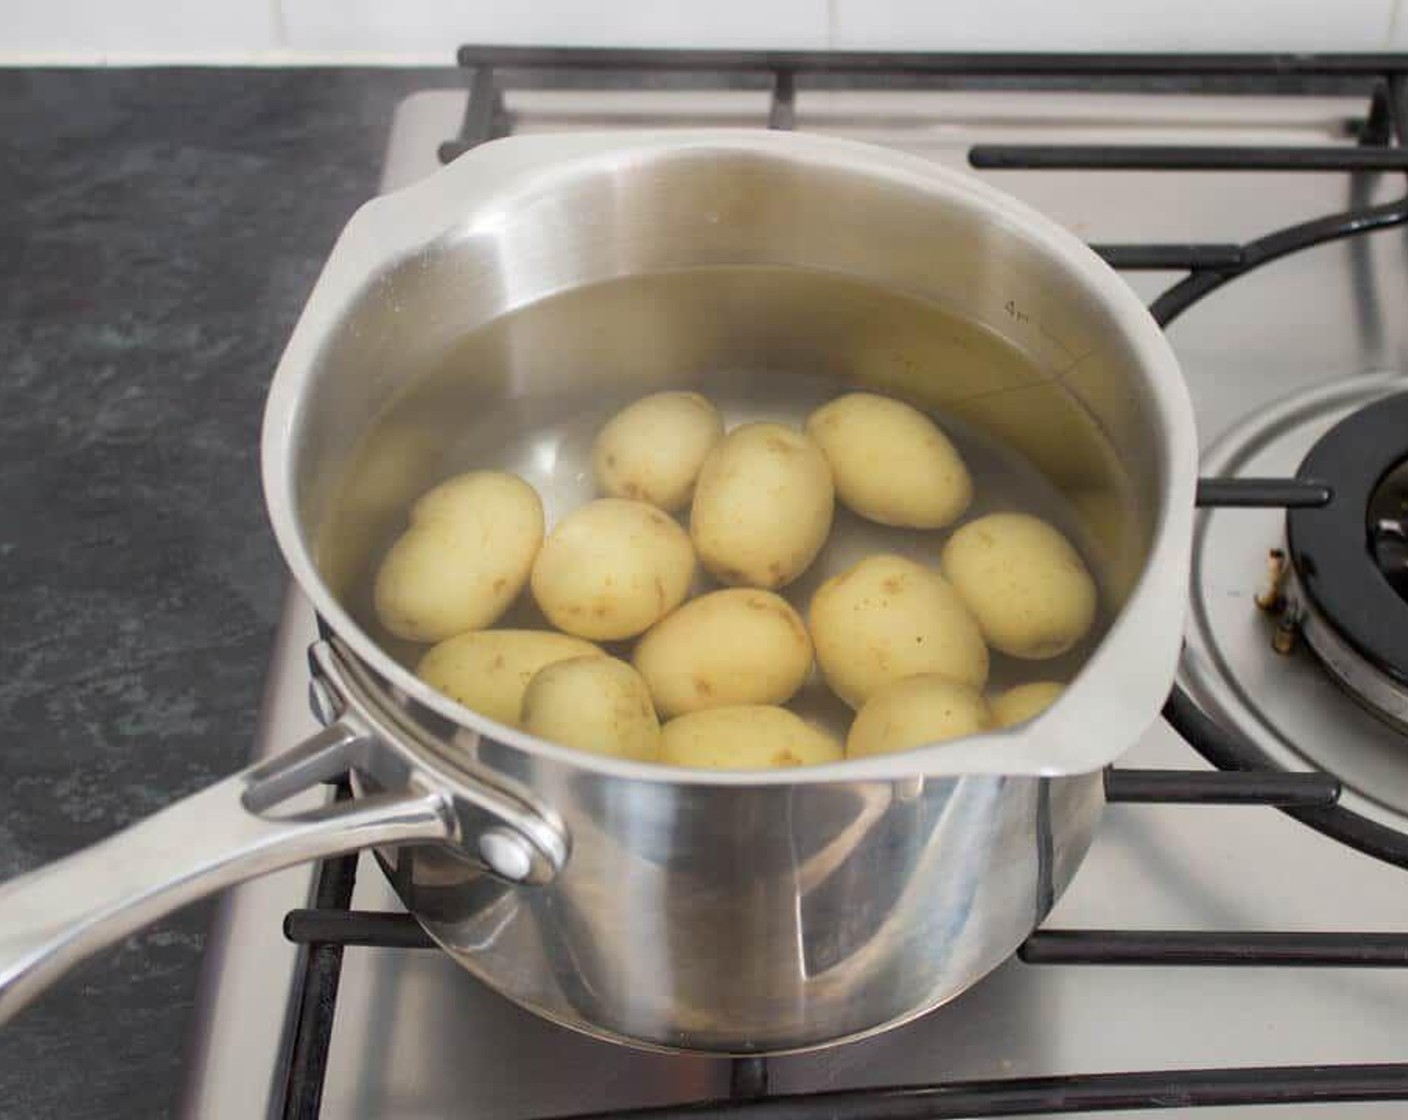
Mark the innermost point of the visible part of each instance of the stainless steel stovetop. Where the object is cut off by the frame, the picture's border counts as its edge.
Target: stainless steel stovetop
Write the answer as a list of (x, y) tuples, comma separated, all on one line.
[(416, 1037)]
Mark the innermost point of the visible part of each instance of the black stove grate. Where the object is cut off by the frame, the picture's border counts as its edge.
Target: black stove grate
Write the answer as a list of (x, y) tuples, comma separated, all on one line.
[(1245, 775)]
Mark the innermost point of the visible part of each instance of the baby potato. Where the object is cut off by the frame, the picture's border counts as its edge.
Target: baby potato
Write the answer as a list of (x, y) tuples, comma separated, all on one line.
[(595, 704), (890, 462), (1024, 702), (738, 646), (1025, 583), (488, 670), (652, 450), (914, 712), (464, 559), (762, 506), (746, 737), (612, 569), (886, 618)]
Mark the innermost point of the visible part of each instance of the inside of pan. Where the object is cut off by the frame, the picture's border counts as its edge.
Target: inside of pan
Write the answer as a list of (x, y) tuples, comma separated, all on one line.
[(506, 344)]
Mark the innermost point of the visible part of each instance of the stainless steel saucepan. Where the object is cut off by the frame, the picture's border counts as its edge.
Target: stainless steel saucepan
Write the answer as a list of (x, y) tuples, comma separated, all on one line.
[(487, 317)]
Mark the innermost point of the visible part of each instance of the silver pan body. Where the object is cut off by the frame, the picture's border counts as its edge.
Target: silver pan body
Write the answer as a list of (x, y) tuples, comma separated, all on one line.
[(491, 315)]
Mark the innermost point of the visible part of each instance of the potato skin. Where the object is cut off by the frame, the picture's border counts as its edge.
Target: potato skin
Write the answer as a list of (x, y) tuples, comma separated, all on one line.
[(762, 506), (594, 704), (1024, 702), (886, 618), (914, 712), (891, 463), (652, 450), (612, 569), (746, 737), (730, 647), (488, 670), (1025, 583), (467, 554)]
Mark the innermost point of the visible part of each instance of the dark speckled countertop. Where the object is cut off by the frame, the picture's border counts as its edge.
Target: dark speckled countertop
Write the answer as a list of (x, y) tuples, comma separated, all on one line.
[(159, 232)]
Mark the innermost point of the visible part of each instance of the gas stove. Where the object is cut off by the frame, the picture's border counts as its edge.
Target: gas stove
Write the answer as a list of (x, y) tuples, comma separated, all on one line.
[(1213, 952)]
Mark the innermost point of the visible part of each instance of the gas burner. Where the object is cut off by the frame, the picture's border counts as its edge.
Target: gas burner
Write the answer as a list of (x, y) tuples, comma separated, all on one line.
[(1347, 558), (1246, 666)]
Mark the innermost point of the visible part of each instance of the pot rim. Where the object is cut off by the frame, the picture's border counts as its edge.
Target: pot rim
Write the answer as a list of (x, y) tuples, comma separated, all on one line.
[(1121, 687)]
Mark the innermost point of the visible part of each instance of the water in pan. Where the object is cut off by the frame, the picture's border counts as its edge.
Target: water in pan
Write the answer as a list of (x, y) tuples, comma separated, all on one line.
[(528, 392)]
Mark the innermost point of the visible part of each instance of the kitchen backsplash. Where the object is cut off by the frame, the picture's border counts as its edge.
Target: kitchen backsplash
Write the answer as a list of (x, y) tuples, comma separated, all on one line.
[(409, 32)]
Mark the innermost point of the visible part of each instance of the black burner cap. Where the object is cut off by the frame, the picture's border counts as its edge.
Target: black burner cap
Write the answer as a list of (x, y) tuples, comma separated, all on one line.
[(1332, 547)]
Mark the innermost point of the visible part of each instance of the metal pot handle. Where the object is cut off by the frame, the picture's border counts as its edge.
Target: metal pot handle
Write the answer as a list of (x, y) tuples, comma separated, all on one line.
[(52, 918)]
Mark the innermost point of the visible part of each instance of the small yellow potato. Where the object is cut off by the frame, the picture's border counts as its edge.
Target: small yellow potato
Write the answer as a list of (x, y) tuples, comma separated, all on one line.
[(915, 712), (748, 737), (1025, 583), (890, 462), (1024, 702), (762, 506), (596, 704), (652, 450), (488, 670), (612, 569), (886, 618), (737, 646), (466, 556)]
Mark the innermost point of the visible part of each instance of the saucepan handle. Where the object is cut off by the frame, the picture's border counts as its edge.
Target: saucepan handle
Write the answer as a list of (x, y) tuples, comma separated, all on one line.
[(52, 918)]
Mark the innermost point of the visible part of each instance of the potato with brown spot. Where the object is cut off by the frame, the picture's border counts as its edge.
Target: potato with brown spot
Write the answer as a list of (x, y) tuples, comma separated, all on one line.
[(914, 712), (652, 450), (762, 507), (488, 670), (747, 737), (886, 618), (595, 704), (737, 646), (465, 557), (1024, 582), (612, 569)]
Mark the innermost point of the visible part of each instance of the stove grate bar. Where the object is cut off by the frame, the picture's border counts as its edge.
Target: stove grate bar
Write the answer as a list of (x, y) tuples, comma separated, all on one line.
[(1055, 1096), (1262, 493), (1213, 948), (1229, 750), (1274, 246), (1170, 258), (1141, 157), (1274, 69), (317, 997), (553, 67), (484, 116), (1217, 787), (782, 108), (362, 928), (1387, 120), (748, 1078), (1156, 948)]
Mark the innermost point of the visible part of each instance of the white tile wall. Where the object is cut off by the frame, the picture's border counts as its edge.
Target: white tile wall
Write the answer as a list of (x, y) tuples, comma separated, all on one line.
[(1113, 25), (432, 28), (100, 30), (426, 31)]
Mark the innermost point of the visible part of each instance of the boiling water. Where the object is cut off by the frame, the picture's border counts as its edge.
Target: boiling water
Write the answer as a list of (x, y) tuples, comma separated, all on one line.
[(529, 392)]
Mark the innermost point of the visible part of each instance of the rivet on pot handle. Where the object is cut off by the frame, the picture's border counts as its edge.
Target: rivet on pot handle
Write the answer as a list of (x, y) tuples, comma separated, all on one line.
[(505, 832)]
